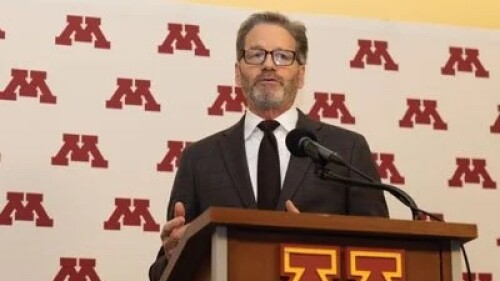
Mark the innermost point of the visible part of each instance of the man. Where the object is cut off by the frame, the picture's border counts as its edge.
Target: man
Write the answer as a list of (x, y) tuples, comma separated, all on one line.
[(225, 168)]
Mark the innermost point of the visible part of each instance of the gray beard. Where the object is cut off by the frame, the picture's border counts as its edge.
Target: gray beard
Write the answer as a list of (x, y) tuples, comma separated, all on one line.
[(266, 102), (274, 101)]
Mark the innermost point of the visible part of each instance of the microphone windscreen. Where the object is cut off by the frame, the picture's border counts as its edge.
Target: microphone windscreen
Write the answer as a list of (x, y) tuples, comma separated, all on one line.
[(293, 141)]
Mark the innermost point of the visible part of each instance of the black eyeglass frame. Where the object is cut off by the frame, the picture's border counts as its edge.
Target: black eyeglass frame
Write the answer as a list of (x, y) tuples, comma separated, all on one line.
[(266, 52)]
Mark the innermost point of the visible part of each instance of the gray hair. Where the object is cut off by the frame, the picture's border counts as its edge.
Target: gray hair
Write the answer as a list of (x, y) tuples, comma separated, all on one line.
[(295, 28)]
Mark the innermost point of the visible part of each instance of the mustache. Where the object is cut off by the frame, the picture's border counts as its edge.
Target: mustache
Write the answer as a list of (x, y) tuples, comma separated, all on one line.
[(269, 76)]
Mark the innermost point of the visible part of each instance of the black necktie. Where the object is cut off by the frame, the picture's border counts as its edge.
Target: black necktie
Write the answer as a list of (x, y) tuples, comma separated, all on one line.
[(268, 168)]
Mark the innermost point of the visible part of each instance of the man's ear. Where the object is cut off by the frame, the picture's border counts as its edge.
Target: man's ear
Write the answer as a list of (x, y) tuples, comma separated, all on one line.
[(237, 74), (301, 76)]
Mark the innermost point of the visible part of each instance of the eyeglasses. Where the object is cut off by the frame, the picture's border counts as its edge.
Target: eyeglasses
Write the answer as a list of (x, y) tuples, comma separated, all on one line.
[(258, 56)]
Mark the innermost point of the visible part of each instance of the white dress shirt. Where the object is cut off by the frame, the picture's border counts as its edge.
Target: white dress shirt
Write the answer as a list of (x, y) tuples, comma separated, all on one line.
[(253, 136)]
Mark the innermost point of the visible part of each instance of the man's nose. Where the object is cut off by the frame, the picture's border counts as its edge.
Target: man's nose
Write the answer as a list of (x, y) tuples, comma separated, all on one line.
[(268, 62)]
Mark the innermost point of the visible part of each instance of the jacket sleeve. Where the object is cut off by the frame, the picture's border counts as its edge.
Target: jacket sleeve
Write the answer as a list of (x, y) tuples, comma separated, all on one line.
[(156, 269), (183, 191), (362, 201)]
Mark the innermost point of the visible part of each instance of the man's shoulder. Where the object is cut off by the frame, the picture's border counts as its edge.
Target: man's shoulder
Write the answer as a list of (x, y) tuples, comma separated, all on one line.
[(341, 132), (334, 132), (325, 130)]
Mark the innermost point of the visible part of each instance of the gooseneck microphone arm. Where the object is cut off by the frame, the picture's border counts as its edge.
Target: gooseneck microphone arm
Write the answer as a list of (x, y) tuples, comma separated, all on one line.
[(302, 143), (401, 195)]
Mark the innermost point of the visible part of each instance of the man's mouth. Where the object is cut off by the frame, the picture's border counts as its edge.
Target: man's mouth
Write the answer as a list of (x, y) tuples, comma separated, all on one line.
[(268, 83), (269, 80)]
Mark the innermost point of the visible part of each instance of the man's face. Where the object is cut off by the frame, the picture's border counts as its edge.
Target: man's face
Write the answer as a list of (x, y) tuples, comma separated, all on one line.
[(268, 86)]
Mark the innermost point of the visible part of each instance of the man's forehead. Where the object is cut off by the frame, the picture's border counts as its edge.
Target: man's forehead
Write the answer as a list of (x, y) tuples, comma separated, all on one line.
[(269, 36)]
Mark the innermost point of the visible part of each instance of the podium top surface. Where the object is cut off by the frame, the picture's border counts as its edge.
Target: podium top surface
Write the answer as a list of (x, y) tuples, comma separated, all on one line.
[(339, 224)]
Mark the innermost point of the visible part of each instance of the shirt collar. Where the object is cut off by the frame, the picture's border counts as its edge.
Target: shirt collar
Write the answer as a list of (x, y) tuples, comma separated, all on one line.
[(287, 120)]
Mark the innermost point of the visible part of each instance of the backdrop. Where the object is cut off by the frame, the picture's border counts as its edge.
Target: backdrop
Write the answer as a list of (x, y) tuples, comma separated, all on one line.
[(99, 98)]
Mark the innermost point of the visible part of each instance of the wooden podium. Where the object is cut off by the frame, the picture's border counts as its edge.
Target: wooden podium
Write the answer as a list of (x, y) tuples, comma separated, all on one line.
[(225, 244)]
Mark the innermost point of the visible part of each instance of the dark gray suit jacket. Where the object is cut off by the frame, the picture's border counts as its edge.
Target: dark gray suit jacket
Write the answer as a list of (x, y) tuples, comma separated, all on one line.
[(214, 172)]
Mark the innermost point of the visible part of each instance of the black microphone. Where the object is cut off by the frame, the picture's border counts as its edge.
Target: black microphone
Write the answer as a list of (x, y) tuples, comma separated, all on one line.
[(302, 143)]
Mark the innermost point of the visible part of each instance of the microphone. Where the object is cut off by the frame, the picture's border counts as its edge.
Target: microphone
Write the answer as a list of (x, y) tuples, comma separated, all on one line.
[(302, 143)]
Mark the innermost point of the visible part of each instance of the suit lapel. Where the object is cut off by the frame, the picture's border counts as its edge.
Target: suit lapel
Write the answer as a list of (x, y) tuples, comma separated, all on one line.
[(233, 147), (297, 167)]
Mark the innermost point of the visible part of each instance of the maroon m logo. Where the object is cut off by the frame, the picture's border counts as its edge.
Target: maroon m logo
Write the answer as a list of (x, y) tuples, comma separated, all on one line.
[(85, 272), (184, 41), (172, 157), (81, 152), (457, 62), (131, 217), (35, 87), (386, 166), (137, 96), (331, 106), (2, 34), (478, 276), (472, 170), (426, 115), (16, 210), (83, 29), (229, 99), (495, 128), (377, 56)]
